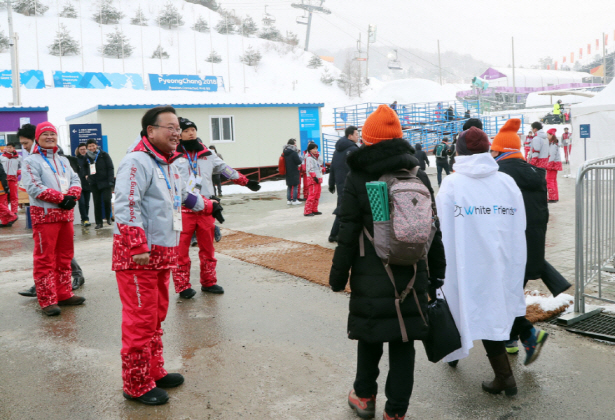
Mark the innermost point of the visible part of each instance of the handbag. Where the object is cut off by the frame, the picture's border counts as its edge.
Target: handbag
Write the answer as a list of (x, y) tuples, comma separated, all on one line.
[(443, 337)]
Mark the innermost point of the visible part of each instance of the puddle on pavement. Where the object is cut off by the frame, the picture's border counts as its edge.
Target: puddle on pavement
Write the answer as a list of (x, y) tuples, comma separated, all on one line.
[(264, 198)]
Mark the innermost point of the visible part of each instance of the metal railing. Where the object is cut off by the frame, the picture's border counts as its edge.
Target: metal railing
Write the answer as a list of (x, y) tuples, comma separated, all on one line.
[(328, 146), (595, 230)]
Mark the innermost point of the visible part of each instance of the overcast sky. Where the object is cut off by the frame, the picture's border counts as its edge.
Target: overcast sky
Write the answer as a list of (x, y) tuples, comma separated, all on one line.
[(477, 27)]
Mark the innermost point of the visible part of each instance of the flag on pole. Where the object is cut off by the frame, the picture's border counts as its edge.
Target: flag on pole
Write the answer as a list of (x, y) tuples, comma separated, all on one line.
[(555, 67), (580, 53), (548, 66), (564, 60), (589, 49), (597, 44), (571, 57)]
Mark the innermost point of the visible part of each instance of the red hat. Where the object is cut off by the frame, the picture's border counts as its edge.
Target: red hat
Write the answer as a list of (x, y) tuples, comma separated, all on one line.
[(552, 131), (382, 124), (42, 127), (472, 141)]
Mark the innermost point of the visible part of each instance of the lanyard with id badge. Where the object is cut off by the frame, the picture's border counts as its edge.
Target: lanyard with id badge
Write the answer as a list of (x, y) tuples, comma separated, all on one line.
[(175, 198), (62, 180), (194, 182), (93, 165)]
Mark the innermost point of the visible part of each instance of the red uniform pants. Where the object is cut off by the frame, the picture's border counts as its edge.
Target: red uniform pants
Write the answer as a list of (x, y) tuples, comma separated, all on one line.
[(552, 185), (306, 187), (14, 198), (311, 205), (53, 251), (5, 214), (145, 301), (203, 225), (566, 154)]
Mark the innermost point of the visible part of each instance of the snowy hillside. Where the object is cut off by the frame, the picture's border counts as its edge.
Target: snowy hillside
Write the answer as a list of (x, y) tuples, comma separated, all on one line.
[(281, 76)]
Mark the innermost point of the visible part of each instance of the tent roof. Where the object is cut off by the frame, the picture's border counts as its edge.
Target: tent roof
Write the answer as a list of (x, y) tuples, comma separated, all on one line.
[(603, 101)]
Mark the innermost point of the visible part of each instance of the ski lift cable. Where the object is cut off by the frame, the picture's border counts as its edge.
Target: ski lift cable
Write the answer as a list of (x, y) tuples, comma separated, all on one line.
[(398, 47)]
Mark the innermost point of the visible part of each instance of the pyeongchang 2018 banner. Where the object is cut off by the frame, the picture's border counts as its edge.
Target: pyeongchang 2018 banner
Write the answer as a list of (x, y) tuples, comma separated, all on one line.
[(30, 79), (183, 82)]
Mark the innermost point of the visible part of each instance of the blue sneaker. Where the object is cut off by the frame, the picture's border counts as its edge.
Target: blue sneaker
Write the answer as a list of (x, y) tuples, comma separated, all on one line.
[(512, 347), (217, 233), (533, 345)]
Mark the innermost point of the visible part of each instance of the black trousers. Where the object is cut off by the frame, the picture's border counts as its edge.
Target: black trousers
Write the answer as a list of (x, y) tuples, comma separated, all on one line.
[(494, 348), (442, 164), (76, 268), (101, 196), (84, 206), (522, 328), (217, 181), (400, 378)]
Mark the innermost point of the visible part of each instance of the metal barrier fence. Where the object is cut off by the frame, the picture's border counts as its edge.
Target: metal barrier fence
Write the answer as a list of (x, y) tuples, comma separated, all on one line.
[(595, 230), (328, 146)]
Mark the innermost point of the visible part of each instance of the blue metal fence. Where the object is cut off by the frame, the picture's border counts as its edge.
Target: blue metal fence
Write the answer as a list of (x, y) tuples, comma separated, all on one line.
[(328, 146), (410, 115)]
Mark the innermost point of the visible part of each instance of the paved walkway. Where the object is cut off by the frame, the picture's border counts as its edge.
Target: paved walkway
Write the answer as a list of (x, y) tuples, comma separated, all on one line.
[(273, 347)]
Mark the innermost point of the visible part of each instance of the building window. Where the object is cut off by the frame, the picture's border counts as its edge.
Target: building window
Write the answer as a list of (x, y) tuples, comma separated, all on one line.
[(222, 128)]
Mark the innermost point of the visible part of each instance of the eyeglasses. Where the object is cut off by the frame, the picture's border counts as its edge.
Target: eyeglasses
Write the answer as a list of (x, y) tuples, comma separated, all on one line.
[(171, 129)]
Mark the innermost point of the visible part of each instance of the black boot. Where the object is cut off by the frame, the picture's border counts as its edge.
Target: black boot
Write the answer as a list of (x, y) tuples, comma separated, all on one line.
[(504, 379), (156, 396), (171, 380), (78, 282), (187, 294), (31, 292), (215, 289)]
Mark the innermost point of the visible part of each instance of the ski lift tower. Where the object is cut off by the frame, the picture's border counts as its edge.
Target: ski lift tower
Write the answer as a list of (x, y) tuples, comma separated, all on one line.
[(310, 9)]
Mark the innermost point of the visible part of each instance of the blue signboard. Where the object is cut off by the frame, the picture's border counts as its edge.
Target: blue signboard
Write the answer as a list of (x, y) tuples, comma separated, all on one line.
[(88, 80), (81, 133), (183, 82), (309, 126), (31, 79), (584, 131)]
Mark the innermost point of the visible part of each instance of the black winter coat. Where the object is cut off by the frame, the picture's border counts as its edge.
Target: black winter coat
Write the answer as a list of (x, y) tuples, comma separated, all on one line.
[(533, 185), (373, 316), (292, 160), (338, 171), (82, 162), (104, 177), (421, 156)]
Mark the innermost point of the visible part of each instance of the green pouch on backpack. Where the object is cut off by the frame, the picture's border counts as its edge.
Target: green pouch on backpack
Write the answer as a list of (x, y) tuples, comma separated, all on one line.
[(378, 195)]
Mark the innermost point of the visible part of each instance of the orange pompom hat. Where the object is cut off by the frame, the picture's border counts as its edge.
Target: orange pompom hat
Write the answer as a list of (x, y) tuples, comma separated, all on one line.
[(507, 140), (382, 124)]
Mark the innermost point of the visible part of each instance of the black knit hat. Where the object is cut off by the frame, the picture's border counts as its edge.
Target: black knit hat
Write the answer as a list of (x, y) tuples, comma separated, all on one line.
[(473, 122), (185, 123)]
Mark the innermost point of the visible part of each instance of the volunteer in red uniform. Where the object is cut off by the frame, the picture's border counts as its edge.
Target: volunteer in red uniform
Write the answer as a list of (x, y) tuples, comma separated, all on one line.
[(148, 198), (12, 164), (53, 188), (196, 166)]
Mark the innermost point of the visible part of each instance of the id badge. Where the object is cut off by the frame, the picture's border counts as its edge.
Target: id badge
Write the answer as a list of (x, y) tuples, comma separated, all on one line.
[(92, 169), (194, 184), (160, 174), (63, 185), (177, 220)]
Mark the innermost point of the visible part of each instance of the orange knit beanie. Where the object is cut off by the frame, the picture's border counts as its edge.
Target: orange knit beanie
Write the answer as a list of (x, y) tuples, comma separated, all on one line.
[(507, 140), (382, 124)]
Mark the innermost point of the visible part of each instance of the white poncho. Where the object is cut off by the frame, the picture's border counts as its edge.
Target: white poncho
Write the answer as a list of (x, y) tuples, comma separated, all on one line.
[(482, 218)]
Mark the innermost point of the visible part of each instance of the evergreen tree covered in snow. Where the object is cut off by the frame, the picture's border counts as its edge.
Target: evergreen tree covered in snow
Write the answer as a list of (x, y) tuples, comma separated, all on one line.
[(4, 42), (63, 44), (251, 57), (225, 26), (327, 78), (160, 53), (29, 7), (210, 4), (139, 18), (117, 45), (106, 13), (170, 17), (200, 25), (214, 57), (248, 27), (315, 62), (291, 38), (69, 11), (271, 33)]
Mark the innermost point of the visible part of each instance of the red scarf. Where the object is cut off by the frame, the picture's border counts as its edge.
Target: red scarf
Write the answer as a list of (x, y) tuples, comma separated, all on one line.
[(8, 155)]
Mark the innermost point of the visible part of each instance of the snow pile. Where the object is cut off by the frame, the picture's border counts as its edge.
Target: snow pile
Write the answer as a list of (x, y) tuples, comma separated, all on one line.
[(406, 91), (267, 186), (548, 303)]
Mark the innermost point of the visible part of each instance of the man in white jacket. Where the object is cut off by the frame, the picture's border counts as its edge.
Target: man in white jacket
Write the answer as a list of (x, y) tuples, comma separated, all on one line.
[(482, 218)]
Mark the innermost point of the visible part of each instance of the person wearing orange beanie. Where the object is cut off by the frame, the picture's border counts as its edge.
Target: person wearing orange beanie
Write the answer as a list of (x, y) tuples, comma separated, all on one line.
[(373, 320), (533, 185)]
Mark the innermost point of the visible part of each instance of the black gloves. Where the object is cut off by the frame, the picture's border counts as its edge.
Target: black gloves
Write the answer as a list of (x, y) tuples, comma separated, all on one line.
[(68, 203), (434, 285), (253, 185), (332, 189), (217, 212), (213, 197), (315, 179)]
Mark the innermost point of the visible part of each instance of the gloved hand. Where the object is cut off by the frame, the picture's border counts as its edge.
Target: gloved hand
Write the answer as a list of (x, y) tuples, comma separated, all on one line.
[(315, 179), (332, 189), (214, 198), (217, 212), (68, 203), (253, 185), (434, 285)]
